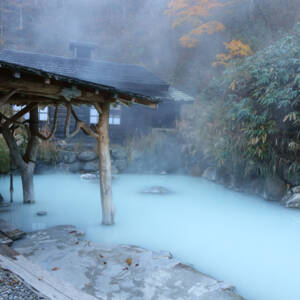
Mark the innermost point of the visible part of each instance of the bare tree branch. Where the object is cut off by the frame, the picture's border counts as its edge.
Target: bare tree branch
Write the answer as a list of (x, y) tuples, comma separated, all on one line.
[(5, 98), (81, 125), (46, 138)]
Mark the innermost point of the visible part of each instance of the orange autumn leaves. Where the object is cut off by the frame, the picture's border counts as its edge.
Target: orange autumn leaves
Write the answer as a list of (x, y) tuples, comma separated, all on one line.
[(186, 9), (195, 12), (190, 40), (200, 14), (236, 48)]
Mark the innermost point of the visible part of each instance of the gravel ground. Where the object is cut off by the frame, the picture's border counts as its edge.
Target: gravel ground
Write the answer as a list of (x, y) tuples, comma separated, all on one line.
[(12, 288)]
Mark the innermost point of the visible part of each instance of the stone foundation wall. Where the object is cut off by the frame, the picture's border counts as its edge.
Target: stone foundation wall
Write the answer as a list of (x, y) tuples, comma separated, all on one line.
[(70, 160)]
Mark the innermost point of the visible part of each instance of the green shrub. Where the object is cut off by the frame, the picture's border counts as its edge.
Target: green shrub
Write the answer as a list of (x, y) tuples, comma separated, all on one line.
[(249, 117)]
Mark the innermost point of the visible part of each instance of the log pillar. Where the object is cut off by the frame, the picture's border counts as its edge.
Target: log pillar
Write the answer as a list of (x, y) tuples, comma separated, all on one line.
[(105, 166)]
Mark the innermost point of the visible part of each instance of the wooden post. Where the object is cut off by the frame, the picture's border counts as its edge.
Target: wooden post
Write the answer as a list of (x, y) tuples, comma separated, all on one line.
[(11, 188), (105, 166)]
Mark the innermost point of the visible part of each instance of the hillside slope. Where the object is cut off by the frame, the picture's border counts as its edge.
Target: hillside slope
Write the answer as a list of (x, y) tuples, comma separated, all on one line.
[(247, 121)]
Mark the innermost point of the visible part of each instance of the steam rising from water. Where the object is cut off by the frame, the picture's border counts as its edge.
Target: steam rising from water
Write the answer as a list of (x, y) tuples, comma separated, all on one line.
[(243, 240)]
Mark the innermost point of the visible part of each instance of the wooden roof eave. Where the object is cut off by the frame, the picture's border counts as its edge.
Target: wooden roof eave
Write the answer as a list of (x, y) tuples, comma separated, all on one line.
[(27, 84)]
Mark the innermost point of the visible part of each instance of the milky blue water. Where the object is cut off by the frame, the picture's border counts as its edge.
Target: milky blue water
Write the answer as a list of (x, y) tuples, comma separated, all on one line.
[(244, 240)]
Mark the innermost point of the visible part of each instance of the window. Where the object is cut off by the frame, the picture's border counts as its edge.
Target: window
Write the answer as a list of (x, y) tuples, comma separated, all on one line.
[(94, 116), (114, 115), (17, 108), (43, 114)]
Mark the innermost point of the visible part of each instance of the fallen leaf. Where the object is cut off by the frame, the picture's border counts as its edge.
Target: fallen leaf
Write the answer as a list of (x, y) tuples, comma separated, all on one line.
[(55, 269), (125, 269), (129, 261), (104, 262), (136, 265)]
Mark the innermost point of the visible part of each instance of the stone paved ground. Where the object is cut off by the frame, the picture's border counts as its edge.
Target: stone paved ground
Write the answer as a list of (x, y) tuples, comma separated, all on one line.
[(12, 288), (118, 272)]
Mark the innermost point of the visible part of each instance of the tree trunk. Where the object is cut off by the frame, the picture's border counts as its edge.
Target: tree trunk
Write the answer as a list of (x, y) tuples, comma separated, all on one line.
[(105, 167), (26, 163), (27, 184)]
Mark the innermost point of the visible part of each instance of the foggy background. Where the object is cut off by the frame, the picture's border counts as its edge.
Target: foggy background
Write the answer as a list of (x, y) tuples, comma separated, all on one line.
[(140, 32)]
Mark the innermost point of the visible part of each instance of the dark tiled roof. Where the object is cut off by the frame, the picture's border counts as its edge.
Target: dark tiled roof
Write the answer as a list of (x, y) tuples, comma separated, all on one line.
[(123, 77)]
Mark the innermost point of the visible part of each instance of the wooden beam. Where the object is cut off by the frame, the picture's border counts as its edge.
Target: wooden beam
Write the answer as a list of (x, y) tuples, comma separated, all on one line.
[(138, 101), (46, 90), (34, 85)]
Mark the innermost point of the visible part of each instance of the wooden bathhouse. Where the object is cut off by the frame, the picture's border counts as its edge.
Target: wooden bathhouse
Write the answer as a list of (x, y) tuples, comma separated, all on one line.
[(124, 120), (34, 82)]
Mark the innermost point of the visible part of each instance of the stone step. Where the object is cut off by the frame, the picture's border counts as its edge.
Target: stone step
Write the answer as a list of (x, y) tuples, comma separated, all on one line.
[(10, 231)]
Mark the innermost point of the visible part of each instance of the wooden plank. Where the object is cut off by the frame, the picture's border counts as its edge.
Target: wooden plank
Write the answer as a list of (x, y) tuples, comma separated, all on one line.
[(41, 280), (10, 231), (4, 240)]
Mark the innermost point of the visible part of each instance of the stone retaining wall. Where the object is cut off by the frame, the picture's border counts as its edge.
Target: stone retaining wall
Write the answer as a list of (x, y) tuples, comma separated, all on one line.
[(71, 161)]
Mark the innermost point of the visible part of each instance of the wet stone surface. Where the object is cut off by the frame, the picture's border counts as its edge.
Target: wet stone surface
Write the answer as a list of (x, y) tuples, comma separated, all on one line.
[(118, 271)]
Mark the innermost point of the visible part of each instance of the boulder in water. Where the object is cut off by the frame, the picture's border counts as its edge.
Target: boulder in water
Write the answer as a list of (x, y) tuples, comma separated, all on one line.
[(256, 186), (274, 188), (292, 198), (156, 190), (41, 213), (89, 177)]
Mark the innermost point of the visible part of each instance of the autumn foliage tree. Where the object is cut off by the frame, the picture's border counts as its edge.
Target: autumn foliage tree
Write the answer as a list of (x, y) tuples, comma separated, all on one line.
[(235, 48), (199, 15), (203, 17)]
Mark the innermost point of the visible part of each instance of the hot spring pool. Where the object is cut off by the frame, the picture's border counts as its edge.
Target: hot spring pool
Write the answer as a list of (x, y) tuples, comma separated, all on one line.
[(250, 243)]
